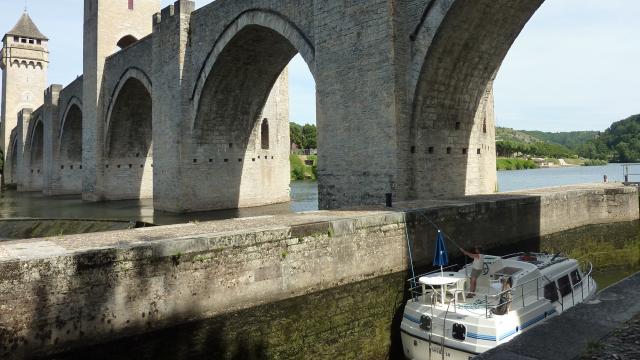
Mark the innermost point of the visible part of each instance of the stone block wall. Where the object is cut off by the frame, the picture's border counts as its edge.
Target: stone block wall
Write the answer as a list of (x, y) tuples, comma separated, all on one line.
[(66, 169), (60, 293)]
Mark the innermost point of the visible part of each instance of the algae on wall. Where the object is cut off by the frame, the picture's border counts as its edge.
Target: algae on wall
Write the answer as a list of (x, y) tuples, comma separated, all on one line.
[(354, 321), (606, 246)]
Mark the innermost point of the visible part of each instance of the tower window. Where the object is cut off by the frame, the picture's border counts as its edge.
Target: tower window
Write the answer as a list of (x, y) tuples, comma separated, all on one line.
[(16, 39), (130, 4), (24, 41), (39, 42), (31, 41)]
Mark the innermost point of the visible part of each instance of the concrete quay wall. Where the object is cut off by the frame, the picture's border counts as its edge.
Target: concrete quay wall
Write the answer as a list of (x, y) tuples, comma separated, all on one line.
[(66, 292)]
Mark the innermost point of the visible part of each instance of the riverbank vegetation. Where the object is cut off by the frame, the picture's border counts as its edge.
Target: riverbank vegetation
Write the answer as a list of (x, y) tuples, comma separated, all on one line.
[(619, 143), (515, 164), (303, 167)]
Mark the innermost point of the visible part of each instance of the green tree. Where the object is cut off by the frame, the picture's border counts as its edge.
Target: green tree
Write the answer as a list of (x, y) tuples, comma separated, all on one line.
[(309, 137), (295, 132)]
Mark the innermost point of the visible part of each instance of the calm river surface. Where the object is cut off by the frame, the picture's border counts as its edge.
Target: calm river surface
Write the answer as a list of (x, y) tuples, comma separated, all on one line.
[(304, 197)]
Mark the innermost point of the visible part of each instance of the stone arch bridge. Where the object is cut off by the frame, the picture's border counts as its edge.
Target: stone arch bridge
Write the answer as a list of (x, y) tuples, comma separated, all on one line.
[(195, 113)]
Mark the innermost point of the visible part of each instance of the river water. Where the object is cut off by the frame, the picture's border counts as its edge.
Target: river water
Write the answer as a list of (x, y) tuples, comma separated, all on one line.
[(304, 197)]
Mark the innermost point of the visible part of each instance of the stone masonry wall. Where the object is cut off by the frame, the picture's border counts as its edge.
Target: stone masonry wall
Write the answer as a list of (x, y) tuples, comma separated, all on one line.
[(65, 292), (66, 169)]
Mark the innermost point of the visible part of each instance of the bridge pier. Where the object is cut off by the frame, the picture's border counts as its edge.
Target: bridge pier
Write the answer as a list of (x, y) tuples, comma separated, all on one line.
[(192, 108)]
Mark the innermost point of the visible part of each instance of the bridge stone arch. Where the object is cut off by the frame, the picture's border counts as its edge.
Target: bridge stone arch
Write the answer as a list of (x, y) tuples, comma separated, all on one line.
[(264, 18), (242, 83), (128, 158), (69, 149), (452, 121), (34, 154), (11, 166), (73, 104), (128, 74)]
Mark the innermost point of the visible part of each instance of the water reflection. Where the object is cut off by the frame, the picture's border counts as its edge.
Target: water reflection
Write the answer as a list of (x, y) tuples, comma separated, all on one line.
[(304, 197)]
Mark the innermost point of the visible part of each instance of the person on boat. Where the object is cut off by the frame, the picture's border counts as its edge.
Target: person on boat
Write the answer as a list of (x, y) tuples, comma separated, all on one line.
[(506, 296), (476, 268)]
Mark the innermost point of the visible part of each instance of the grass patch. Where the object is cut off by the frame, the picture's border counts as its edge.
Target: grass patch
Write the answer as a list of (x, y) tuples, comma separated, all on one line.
[(594, 162), (302, 171)]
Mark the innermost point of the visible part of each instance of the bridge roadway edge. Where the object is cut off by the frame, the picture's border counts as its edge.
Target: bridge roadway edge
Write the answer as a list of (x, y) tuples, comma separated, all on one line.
[(66, 292)]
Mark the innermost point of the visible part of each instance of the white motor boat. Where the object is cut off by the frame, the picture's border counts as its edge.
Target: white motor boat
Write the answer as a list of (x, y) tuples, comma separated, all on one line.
[(514, 293)]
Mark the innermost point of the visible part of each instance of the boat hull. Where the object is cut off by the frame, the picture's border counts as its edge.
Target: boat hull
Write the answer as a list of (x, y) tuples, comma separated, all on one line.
[(416, 348)]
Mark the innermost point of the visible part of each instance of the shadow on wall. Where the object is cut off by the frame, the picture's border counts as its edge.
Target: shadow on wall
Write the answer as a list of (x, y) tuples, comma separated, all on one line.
[(70, 154), (36, 148), (335, 323), (128, 167)]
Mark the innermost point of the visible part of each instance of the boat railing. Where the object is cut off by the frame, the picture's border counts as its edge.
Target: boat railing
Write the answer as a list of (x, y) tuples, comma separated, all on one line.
[(586, 275), (512, 296)]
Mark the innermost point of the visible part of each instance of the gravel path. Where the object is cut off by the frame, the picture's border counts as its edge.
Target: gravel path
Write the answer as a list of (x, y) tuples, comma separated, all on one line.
[(621, 344)]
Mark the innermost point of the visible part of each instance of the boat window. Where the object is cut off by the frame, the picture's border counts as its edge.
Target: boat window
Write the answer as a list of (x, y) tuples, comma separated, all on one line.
[(550, 292), (564, 285), (575, 277)]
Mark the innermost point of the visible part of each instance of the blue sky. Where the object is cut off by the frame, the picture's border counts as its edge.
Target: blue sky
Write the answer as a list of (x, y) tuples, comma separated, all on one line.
[(574, 66)]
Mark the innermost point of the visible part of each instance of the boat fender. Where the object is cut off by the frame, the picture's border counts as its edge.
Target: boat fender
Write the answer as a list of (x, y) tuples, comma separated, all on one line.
[(425, 323), (459, 331)]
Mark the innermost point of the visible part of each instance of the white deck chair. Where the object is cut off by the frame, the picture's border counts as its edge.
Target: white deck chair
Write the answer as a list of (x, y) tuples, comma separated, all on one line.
[(458, 290)]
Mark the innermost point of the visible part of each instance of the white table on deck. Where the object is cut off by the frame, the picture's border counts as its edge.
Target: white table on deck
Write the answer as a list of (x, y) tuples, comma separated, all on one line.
[(441, 279)]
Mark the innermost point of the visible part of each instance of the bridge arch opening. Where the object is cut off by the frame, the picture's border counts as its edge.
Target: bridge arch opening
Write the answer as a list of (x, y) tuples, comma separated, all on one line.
[(70, 154), (452, 105), (128, 163), (12, 177), (36, 149), (241, 122)]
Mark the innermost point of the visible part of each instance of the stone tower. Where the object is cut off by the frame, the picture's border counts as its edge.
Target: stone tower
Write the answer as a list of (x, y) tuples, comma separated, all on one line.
[(109, 25), (24, 62)]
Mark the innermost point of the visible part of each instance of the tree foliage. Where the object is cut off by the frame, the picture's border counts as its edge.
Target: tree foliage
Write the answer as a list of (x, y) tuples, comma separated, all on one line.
[(619, 143), (542, 149), (303, 136), (295, 133)]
